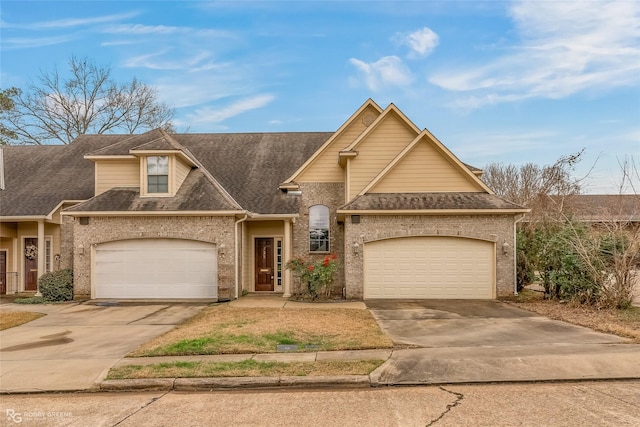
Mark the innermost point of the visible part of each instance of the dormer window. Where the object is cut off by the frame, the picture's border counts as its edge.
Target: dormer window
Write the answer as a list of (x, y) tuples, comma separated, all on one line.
[(158, 174)]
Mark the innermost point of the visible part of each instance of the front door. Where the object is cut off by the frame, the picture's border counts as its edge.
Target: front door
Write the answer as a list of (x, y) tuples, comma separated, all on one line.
[(30, 264), (3, 272), (264, 264)]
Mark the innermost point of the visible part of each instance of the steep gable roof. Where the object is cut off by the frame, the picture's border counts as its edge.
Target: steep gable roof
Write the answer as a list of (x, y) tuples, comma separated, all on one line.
[(349, 124), (438, 162), (391, 109)]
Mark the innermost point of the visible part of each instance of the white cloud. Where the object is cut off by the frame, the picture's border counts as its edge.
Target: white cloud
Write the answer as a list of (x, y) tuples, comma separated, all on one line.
[(214, 115), (140, 29), (387, 71), (31, 42), (421, 42), (565, 48), (71, 22)]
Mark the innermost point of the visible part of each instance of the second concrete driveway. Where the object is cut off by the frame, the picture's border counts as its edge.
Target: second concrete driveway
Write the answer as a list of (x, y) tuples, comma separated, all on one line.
[(74, 345), (467, 323), (462, 341)]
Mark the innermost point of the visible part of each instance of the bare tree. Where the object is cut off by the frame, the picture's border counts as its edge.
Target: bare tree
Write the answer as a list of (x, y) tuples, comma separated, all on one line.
[(58, 109), (541, 188), (7, 106)]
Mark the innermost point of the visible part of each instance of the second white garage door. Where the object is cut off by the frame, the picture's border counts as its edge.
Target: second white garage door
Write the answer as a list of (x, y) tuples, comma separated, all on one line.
[(429, 267), (155, 269)]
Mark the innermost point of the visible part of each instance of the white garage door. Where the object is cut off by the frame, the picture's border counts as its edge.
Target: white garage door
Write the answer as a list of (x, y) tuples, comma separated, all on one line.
[(156, 268), (429, 267)]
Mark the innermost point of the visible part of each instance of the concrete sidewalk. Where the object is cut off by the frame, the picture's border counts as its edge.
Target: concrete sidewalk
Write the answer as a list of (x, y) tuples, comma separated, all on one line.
[(420, 366)]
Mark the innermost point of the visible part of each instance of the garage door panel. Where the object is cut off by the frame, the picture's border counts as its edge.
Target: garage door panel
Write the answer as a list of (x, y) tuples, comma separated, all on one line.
[(429, 267), (156, 268)]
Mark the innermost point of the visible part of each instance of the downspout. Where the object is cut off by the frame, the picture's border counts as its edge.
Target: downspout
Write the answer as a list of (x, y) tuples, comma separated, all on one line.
[(515, 254), (237, 252)]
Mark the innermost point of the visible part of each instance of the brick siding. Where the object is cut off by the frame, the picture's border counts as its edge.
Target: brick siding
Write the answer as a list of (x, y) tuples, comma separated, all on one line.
[(218, 230)]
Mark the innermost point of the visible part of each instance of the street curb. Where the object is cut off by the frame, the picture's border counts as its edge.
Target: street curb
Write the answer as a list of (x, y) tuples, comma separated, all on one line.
[(226, 383)]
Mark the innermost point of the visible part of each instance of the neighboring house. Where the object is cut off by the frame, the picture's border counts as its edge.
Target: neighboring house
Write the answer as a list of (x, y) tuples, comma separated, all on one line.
[(601, 208), (210, 216)]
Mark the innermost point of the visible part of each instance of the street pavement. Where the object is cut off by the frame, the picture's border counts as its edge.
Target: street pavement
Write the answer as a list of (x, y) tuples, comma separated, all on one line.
[(581, 404)]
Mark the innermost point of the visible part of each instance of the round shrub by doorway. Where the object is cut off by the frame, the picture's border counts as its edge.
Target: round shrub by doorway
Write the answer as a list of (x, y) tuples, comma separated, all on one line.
[(57, 285)]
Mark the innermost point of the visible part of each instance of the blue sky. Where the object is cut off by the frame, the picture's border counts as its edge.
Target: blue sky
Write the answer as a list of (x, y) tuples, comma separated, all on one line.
[(511, 82)]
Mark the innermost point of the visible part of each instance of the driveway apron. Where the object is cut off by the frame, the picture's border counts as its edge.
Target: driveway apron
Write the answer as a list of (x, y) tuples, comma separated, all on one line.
[(74, 345), (451, 341)]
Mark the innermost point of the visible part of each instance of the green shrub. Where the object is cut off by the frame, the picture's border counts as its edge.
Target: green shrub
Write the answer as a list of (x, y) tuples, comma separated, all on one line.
[(525, 269), (30, 300), (57, 285)]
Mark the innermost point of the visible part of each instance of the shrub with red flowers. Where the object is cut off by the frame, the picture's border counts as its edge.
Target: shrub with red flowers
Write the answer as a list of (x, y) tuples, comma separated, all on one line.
[(317, 275)]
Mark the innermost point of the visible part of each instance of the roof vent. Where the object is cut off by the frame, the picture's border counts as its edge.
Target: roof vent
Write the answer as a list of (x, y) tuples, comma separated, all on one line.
[(368, 119)]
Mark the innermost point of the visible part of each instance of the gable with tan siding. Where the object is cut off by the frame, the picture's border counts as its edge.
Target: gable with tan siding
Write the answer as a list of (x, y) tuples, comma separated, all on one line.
[(425, 169), (112, 173), (182, 170), (325, 167), (391, 135)]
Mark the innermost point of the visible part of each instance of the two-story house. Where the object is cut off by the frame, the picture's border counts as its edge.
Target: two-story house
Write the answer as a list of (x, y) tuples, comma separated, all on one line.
[(208, 216)]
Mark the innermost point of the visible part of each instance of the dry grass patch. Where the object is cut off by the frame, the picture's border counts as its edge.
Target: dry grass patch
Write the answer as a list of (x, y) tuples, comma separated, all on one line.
[(9, 319), (222, 329), (624, 323), (245, 368)]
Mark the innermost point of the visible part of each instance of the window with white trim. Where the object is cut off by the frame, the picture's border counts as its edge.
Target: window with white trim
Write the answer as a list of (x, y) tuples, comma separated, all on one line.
[(47, 255), (158, 174), (319, 228)]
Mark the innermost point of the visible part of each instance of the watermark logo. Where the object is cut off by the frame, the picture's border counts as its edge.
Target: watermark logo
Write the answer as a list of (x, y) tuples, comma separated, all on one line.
[(17, 417), (14, 416)]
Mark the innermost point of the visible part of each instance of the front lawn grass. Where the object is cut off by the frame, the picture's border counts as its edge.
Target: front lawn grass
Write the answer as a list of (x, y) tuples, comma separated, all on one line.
[(624, 323), (245, 368), (222, 329), (9, 319)]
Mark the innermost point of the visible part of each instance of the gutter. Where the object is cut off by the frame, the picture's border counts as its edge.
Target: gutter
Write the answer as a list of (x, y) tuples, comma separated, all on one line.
[(237, 252)]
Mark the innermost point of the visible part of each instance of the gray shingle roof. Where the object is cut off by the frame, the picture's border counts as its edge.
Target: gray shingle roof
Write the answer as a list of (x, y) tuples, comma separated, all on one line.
[(250, 166), (601, 207), (197, 193), (428, 201), (38, 178)]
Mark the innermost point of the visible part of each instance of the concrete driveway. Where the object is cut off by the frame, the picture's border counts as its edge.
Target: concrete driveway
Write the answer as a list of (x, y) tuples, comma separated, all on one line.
[(74, 345), (465, 323), (460, 341)]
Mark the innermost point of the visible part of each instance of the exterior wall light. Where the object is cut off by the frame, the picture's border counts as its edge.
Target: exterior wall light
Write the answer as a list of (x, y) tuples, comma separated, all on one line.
[(356, 249), (505, 248)]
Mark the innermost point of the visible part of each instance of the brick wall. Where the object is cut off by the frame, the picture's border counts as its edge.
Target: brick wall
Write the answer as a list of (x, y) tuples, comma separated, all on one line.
[(494, 228), (331, 195), (219, 230)]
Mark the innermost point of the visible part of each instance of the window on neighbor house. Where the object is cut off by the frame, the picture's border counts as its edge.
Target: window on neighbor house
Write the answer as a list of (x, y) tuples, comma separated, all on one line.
[(318, 228), (157, 174)]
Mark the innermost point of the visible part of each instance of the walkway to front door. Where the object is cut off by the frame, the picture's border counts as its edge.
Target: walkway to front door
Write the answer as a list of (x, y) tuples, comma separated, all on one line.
[(264, 264)]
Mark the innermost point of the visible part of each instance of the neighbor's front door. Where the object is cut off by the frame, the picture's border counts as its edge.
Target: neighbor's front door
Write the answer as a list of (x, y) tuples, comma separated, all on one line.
[(30, 264), (264, 264)]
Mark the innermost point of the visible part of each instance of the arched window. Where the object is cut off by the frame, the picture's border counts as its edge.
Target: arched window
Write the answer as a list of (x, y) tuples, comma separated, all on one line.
[(318, 228)]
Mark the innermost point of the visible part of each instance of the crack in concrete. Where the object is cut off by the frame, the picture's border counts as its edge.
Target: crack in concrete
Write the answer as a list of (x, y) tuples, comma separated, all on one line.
[(149, 315), (613, 396), (450, 406), (155, 399)]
